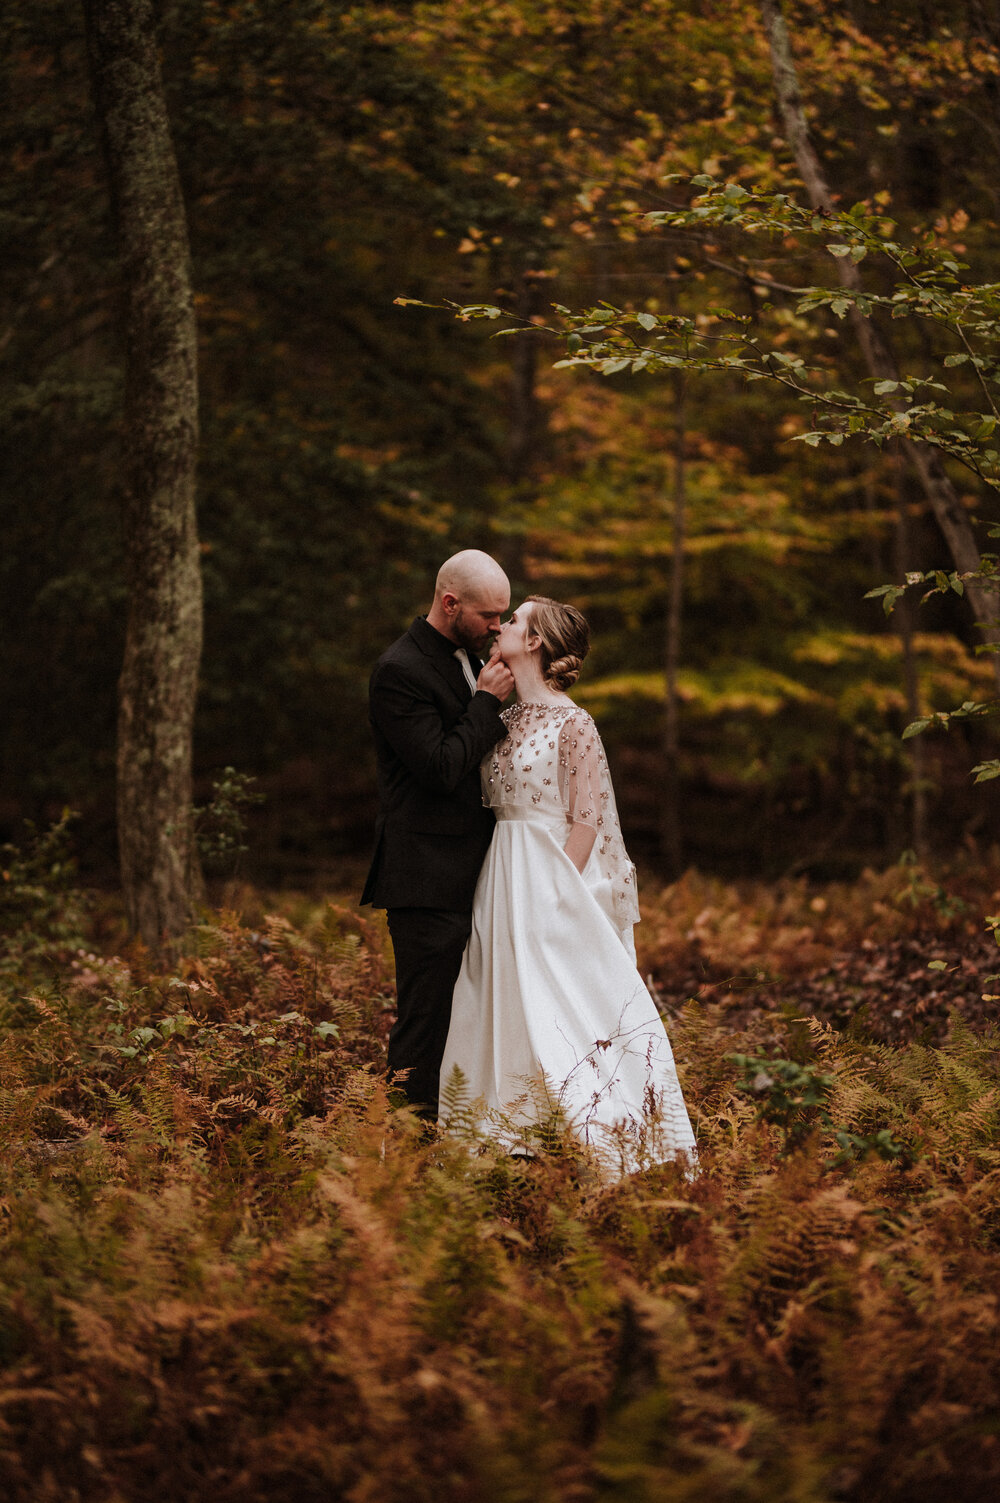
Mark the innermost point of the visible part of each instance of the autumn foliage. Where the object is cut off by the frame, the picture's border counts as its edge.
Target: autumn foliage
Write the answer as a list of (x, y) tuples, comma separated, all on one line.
[(336, 157), (229, 1268)]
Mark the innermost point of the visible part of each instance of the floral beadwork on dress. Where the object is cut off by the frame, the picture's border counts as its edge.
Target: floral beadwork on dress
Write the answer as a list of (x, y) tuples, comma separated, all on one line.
[(552, 760)]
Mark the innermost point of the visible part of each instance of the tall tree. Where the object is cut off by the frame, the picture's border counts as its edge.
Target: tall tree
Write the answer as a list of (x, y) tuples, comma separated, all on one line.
[(950, 514), (911, 678), (164, 626), (670, 827)]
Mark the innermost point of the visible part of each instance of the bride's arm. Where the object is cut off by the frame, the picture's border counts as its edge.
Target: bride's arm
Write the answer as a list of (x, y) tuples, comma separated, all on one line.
[(580, 781), (580, 844)]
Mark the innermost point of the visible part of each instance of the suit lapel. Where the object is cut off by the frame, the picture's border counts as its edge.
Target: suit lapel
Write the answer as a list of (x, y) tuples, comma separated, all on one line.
[(446, 664), (451, 669)]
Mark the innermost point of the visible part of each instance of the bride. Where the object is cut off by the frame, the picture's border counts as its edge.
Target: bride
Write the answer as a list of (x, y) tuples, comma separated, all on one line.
[(551, 1022)]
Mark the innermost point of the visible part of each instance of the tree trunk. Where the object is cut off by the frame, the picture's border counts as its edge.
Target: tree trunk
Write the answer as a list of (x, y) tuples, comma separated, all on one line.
[(527, 421), (525, 413), (671, 840), (948, 510), (911, 681), (164, 627)]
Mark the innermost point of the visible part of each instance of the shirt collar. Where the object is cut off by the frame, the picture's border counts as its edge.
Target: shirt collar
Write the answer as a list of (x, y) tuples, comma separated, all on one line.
[(432, 640)]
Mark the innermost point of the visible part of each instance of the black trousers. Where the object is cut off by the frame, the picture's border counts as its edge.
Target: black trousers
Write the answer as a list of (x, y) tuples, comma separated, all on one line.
[(428, 944)]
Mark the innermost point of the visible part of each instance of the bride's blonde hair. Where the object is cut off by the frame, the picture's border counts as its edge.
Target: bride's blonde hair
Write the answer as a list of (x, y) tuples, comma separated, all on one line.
[(565, 639)]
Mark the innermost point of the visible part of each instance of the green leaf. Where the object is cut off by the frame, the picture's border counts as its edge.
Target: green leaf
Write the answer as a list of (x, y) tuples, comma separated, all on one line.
[(937, 965), (983, 772), (734, 194), (955, 359), (839, 250), (916, 726), (883, 388), (647, 320), (477, 310), (177, 1023), (889, 593)]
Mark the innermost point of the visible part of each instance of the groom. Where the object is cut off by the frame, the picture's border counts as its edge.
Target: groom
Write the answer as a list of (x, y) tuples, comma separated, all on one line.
[(435, 714)]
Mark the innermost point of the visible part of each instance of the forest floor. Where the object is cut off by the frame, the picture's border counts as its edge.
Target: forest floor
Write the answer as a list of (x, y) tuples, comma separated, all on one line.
[(893, 955), (231, 1269)]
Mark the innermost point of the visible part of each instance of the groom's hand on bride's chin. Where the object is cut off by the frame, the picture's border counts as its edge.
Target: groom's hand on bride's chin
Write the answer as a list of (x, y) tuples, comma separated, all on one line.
[(496, 678)]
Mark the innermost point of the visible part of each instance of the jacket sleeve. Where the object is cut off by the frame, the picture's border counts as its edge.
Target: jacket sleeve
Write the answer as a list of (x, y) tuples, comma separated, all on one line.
[(411, 722)]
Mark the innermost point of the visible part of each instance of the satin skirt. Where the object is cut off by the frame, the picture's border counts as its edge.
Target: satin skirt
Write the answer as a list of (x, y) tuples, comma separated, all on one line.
[(551, 1021)]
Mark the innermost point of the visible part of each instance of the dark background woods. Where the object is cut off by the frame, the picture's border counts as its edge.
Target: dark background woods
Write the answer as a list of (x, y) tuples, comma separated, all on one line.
[(333, 157)]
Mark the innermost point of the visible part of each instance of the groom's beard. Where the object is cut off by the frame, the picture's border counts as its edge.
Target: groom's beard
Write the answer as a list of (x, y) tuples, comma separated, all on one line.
[(479, 644)]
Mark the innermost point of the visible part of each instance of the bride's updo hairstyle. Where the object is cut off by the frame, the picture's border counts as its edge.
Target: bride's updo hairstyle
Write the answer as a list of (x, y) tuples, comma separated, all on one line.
[(565, 639)]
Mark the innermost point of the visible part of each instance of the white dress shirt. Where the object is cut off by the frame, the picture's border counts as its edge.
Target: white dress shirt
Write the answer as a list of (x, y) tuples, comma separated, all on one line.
[(463, 658)]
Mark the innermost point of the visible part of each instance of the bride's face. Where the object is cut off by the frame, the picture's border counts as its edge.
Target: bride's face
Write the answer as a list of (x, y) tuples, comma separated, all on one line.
[(516, 635)]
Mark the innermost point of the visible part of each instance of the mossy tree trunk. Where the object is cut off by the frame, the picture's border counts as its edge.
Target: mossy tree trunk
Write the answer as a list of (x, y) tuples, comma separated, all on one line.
[(164, 628)]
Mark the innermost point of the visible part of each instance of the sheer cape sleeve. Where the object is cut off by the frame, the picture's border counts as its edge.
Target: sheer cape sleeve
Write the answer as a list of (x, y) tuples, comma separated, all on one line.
[(589, 799)]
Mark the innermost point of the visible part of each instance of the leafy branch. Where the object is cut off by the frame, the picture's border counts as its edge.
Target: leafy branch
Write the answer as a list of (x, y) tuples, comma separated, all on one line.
[(928, 287), (923, 411)]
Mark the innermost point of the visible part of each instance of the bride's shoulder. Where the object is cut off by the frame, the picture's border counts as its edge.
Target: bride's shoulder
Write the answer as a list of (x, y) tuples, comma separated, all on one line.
[(559, 715), (578, 734), (574, 717)]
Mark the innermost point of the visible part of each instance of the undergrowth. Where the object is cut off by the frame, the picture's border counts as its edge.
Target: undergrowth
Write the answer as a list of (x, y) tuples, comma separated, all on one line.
[(230, 1270), (758, 930)]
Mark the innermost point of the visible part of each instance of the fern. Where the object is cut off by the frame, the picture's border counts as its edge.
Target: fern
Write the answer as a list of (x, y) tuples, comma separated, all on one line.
[(248, 1241), (460, 1113)]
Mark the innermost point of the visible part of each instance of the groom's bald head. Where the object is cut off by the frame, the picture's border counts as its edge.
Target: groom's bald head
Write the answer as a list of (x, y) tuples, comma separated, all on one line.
[(471, 594), (472, 573)]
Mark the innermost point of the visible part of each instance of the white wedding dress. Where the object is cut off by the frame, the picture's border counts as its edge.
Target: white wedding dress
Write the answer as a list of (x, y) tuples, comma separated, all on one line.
[(551, 1021)]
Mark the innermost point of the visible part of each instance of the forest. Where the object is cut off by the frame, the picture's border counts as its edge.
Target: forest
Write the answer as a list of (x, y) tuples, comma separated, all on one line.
[(334, 158), (688, 312)]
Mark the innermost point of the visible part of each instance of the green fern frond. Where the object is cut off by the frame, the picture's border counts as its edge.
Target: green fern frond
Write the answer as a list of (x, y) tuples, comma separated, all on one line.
[(461, 1113)]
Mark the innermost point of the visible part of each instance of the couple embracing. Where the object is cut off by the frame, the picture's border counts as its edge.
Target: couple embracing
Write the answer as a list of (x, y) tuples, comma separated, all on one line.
[(509, 894)]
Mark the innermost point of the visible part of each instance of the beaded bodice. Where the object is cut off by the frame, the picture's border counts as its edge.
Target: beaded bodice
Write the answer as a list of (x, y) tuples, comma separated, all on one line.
[(552, 762), (531, 765)]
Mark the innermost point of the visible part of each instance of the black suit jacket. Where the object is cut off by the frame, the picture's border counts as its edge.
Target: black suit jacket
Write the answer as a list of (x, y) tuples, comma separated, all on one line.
[(431, 733)]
